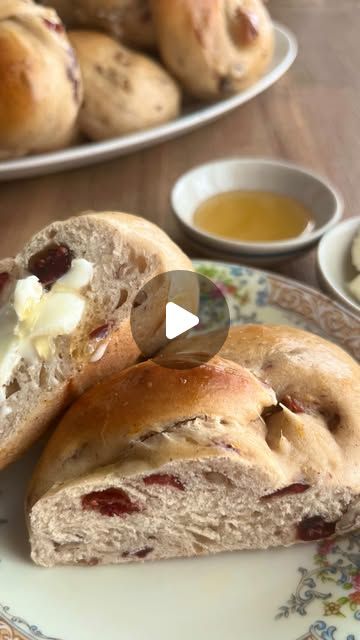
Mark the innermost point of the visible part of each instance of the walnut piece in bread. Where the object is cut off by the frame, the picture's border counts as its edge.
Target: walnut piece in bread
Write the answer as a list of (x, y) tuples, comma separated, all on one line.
[(124, 91), (156, 463), (214, 49), (65, 303), (41, 88)]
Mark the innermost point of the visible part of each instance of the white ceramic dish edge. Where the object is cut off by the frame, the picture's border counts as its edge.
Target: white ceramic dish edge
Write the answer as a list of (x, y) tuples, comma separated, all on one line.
[(285, 247), (334, 266)]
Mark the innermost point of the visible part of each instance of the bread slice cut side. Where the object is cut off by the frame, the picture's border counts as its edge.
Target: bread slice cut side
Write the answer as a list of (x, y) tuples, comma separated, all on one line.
[(157, 463), (202, 502), (125, 252)]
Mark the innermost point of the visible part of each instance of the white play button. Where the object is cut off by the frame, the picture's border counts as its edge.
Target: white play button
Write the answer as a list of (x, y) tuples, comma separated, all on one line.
[(178, 320)]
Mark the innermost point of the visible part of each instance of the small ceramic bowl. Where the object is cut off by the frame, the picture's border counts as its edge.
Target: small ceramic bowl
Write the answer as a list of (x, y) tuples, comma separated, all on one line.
[(205, 181), (261, 261), (334, 261)]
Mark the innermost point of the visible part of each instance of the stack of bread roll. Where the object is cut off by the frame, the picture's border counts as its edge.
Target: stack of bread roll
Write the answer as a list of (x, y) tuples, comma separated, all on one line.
[(89, 77)]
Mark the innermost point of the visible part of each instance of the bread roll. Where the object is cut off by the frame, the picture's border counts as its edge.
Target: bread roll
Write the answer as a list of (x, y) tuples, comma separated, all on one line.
[(65, 304), (40, 89), (157, 463), (215, 48), (124, 91), (128, 20)]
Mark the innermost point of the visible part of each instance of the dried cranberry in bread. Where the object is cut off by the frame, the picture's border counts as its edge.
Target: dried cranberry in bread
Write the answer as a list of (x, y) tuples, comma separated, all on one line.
[(136, 460), (213, 48), (192, 462), (65, 303), (40, 88)]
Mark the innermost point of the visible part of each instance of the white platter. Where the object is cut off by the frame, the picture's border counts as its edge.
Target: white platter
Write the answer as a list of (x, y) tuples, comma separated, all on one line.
[(90, 153), (306, 592)]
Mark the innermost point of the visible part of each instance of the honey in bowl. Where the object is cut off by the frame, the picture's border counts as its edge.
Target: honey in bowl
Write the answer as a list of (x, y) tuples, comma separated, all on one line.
[(253, 216)]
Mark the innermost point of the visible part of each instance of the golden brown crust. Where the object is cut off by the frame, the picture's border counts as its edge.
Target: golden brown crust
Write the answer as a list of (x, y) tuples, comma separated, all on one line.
[(41, 91), (214, 47), (289, 359), (315, 374), (124, 91), (142, 400), (317, 382), (16, 95)]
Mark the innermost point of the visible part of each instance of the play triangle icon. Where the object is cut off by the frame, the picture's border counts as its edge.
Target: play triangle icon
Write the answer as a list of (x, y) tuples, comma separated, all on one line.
[(178, 320)]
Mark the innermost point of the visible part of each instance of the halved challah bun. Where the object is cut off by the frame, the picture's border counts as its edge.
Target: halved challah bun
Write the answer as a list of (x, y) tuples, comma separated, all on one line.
[(40, 88), (65, 304), (157, 463), (124, 91), (214, 47), (128, 20), (315, 379)]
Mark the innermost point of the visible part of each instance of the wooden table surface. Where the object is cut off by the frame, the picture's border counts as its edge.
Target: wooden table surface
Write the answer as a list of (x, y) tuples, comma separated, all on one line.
[(311, 116)]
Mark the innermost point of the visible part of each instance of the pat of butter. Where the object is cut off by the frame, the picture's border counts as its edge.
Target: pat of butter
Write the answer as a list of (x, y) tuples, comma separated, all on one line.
[(9, 357), (29, 325), (79, 276), (44, 347), (58, 314), (27, 295)]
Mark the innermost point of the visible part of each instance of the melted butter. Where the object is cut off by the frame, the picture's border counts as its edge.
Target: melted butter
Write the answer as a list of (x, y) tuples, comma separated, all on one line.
[(253, 216), (33, 318)]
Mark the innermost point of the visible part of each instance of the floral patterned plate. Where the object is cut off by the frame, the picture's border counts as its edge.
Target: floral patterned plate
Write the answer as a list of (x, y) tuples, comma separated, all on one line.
[(309, 592)]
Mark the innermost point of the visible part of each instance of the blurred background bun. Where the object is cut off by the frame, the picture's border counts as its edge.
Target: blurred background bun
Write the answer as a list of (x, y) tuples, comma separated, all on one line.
[(40, 88), (128, 20), (205, 49), (214, 47), (124, 90)]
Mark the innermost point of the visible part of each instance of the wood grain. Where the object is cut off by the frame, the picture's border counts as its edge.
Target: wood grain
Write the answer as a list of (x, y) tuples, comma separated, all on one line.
[(311, 116)]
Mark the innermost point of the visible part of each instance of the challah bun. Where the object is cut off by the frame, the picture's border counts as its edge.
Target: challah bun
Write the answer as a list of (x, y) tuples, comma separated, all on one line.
[(40, 89), (125, 91), (65, 304), (214, 47), (160, 462)]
